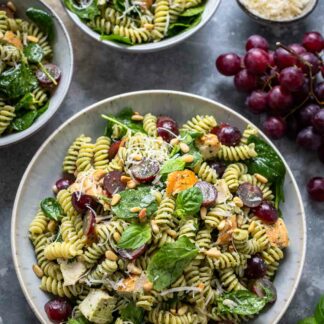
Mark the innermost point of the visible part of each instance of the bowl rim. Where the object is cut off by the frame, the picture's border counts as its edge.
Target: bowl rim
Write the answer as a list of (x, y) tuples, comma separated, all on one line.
[(146, 47), (139, 93), (7, 140), (277, 22)]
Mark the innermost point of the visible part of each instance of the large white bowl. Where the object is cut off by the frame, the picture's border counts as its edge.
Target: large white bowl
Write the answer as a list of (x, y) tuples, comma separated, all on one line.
[(211, 7), (63, 57), (45, 168)]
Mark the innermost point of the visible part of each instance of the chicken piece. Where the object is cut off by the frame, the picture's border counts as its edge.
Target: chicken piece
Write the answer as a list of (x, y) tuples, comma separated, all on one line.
[(208, 146), (72, 272), (223, 193), (278, 234), (226, 228)]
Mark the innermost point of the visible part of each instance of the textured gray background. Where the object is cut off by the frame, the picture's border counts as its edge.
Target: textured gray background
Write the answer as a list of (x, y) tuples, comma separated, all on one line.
[(101, 72)]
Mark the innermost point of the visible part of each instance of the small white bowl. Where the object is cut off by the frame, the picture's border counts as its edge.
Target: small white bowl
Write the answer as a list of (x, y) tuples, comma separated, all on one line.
[(211, 7), (63, 58), (37, 183)]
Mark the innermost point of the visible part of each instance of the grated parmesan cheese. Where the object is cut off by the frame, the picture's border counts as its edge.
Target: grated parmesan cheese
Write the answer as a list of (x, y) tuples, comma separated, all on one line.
[(276, 10)]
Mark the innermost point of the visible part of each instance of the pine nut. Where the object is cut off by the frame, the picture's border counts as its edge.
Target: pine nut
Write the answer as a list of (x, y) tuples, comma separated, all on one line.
[(51, 226), (55, 190), (11, 6), (221, 225), (137, 117), (32, 39), (174, 141), (110, 255), (184, 147), (135, 209), (188, 158), (155, 227), (148, 286), (125, 179), (115, 199), (137, 157), (203, 212), (131, 184), (238, 201), (142, 214), (38, 271), (213, 253), (116, 236), (133, 269), (149, 26), (183, 310), (173, 311), (172, 233), (251, 227), (261, 178), (158, 197)]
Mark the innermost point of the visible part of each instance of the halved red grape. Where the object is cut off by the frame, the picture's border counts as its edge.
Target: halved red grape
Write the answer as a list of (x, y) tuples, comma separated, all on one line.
[(292, 79), (132, 254), (312, 59), (308, 139), (64, 183), (267, 212), (145, 171), (89, 221), (319, 91), (263, 287), (227, 134), (167, 128), (297, 48), (257, 101), (313, 42), (306, 114), (279, 100), (249, 194), (82, 202), (53, 70), (209, 193), (257, 41), (113, 149), (315, 188), (256, 267), (218, 166), (256, 61), (113, 184), (318, 121), (283, 58), (228, 64), (245, 81), (58, 310), (274, 127)]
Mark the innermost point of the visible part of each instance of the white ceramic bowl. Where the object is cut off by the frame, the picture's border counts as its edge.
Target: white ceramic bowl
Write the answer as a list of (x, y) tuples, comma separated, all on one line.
[(63, 57), (37, 183), (211, 7)]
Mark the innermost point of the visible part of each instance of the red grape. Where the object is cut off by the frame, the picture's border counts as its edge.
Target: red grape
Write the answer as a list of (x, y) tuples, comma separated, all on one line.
[(311, 59), (145, 171), (257, 41), (302, 94), (167, 128), (256, 61), (313, 42), (267, 212), (318, 121), (89, 221), (63, 183), (228, 64), (271, 58), (132, 254), (321, 153), (306, 114), (297, 48), (81, 202), (308, 139), (291, 79), (7, 10), (279, 100), (319, 91), (262, 287), (250, 195), (228, 135), (315, 188), (322, 71), (283, 58), (218, 166), (113, 149), (274, 127), (256, 267), (53, 70), (58, 310), (112, 183), (209, 193), (245, 81), (257, 101)]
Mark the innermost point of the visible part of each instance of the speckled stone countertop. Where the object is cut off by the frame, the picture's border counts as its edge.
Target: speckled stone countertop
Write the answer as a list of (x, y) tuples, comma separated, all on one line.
[(101, 72)]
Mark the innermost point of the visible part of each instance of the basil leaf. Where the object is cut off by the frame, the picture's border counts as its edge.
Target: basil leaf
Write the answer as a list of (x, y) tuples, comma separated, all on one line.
[(172, 165), (88, 12), (308, 320), (119, 5), (319, 311), (79, 320), (140, 197), (134, 236), (51, 208), (133, 314), (25, 121), (188, 202), (34, 53), (193, 11), (269, 164), (117, 39), (43, 109), (17, 81), (168, 263), (26, 102), (124, 119), (43, 20)]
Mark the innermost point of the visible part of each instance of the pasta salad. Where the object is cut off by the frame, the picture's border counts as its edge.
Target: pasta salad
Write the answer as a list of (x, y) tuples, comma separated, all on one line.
[(152, 223)]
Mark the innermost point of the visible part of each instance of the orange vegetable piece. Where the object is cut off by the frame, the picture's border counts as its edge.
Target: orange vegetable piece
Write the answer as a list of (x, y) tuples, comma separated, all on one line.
[(180, 180), (12, 39)]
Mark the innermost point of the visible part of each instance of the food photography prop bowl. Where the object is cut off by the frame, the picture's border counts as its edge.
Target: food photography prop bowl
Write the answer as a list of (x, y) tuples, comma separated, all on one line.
[(268, 22), (37, 183), (62, 57), (210, 9)]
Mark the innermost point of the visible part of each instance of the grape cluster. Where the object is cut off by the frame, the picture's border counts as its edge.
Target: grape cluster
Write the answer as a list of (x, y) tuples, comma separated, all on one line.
[(286, 83)]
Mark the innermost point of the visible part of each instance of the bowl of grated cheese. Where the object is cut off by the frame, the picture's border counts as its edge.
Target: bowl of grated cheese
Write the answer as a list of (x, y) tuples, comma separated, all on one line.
[(277, 11)]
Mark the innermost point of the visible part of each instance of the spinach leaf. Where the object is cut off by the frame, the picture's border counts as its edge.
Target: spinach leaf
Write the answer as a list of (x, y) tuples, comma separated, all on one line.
[(25, 121), (124, 119), (88, 12), (172, 165), (26, 102), (319, 311), (43, 20), (140, 197), (79, 320), (117, 39), (308, 320), (193, 11), (269, 164), (241, 302), (168, 263), (183, 24), (119, 5), (17, 81), (51, 208), (34, 53), (188, 202), (133, 314), (43, 109), (134, 236)]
